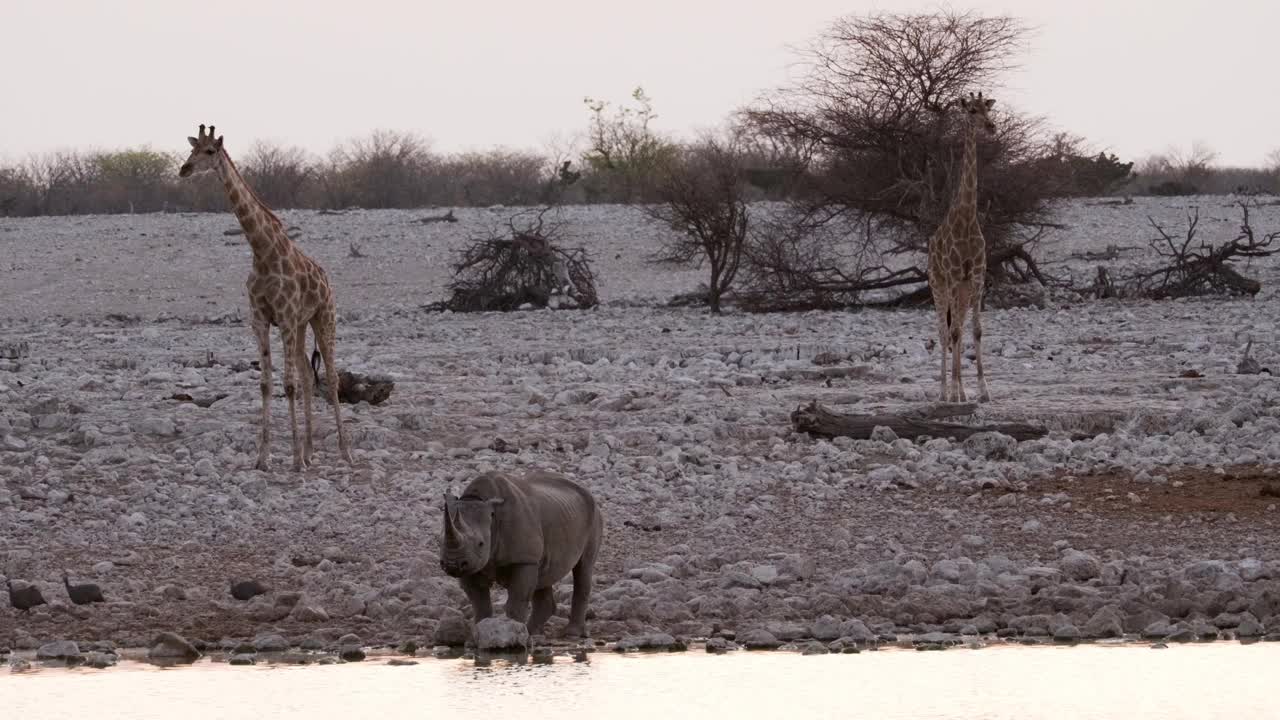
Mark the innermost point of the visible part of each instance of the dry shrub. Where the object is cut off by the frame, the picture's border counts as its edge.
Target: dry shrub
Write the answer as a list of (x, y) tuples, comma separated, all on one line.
[(522, 265), (701, 195)]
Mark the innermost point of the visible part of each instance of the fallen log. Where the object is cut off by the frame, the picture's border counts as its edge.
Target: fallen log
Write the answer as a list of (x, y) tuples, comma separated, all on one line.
[(447, 218), (818, 420)]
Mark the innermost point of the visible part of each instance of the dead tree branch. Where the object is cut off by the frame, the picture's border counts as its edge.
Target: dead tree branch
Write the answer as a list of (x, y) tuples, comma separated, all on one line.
[(1194, 267), (818, 420), (519, 266)]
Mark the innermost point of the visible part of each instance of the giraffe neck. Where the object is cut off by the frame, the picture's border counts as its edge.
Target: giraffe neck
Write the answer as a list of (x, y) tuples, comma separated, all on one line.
[(261, 226), (965, 200)]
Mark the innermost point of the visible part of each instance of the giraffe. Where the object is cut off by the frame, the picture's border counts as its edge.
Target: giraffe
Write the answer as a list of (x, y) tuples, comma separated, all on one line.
[(287, 289), (958, 258)]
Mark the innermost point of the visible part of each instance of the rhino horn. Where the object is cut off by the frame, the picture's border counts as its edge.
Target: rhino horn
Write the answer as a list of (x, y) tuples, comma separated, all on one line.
[(450, 534)]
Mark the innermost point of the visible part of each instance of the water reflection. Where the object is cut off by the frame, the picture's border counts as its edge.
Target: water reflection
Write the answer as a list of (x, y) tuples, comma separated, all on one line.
[(1218, 680)]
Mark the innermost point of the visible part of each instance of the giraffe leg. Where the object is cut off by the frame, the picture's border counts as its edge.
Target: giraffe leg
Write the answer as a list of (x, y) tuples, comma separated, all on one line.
[(984, 395), (956, 336), (262, 333), (324, 327), (301, 369), (943, 344), (291, 391)]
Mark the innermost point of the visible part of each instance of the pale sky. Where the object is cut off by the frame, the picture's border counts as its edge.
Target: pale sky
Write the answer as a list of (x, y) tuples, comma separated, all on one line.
[(1132, 76)]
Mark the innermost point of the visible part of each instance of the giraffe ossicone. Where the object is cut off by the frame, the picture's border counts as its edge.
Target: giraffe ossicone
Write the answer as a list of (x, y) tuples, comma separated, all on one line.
[(288, 290)]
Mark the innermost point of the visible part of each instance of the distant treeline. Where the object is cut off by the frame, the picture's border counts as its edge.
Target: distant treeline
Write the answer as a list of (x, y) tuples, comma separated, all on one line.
[(399, 170)]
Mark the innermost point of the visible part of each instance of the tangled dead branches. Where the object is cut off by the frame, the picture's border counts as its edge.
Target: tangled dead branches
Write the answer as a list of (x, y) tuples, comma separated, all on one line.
[(1194, 267), (521, 265), (796, 266)]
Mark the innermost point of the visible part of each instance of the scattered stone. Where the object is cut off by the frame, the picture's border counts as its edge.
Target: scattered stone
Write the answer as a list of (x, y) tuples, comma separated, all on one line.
[(1080, 566), (814, 647), (759, 640), (309, 613), (171, 592), (171, 646), (856, 631), (884, 434), (269, 643), (158, 426), (452, 630), (542, 656), (825, 628), (1157, 630), (1066, 634), (242, 659), (720, 646), (1107, 622), (101, 660), (400, 662), (58, 650), (1250, 627), (936, 638), (247, 590), (990, 446), (501, 633), (655, 641)]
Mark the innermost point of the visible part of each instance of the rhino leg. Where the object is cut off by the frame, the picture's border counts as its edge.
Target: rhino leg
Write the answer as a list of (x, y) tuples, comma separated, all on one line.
[(523, 580), (477, 591), (544, 606), (582, 573)]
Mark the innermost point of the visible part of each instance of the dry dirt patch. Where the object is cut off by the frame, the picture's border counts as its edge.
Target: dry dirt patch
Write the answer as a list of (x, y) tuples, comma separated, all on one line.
[(1246, 491)]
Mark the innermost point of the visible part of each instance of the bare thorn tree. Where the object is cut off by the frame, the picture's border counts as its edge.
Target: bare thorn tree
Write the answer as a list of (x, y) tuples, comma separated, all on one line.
[(872, 104), (700, 194)]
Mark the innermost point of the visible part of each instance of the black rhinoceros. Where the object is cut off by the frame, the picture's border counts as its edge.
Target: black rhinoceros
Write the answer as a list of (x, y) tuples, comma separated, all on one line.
[(524, 533)]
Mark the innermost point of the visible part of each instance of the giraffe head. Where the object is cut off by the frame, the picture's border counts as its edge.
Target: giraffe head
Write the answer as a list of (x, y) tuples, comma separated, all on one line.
[(976, 108), (204, 153)]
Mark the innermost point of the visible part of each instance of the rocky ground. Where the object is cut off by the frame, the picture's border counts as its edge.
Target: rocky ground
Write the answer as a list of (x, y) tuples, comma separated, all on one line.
[(719, 519)]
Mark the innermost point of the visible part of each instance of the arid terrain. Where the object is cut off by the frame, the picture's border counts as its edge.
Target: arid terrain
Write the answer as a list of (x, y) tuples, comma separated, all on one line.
[(1163, 522)]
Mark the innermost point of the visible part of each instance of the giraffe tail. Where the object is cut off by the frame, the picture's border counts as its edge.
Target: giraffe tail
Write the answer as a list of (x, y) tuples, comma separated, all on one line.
[(315, 365)]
